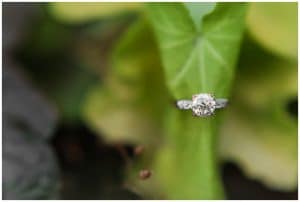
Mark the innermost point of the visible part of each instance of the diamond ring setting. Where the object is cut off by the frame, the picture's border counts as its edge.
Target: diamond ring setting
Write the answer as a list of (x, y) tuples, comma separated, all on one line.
[(202, 105)]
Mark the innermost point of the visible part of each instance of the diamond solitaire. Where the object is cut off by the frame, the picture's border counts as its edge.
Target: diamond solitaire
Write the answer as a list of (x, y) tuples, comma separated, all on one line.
[(202, 105)]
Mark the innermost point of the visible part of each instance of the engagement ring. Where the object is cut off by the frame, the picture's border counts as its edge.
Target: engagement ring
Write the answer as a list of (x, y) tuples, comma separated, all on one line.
[(202, 104)]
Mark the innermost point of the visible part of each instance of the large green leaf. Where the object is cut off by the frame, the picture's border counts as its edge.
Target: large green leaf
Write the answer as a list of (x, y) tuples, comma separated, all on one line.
[(198, 59), (199, 52)]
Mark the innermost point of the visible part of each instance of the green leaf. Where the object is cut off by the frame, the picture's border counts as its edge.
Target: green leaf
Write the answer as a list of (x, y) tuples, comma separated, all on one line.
[(198, 60), (263, 130), (199, 52), (127, 107), (274, 26)]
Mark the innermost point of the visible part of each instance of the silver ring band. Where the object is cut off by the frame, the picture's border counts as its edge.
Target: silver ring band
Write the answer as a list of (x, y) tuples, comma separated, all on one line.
[(221, 103)]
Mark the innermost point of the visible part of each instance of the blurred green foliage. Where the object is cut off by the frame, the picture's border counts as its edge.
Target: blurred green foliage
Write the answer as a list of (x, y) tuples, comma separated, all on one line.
[(128, 106), (125, 81), (80, 12), (50, 56), (260, 122), (275, 27)]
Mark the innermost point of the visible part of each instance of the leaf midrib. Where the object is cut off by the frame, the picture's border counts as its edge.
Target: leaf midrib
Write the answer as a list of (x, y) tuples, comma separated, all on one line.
[(200, 43)]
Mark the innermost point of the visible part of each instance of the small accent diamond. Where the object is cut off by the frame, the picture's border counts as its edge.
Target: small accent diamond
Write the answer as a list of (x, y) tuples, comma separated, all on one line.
[(203, 104)]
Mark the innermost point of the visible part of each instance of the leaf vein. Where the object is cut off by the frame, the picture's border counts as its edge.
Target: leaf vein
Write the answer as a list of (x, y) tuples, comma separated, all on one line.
[(201, 67), (178, 43), (217, 55), (185, 67)]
